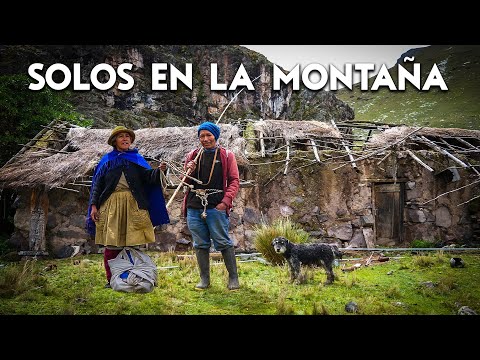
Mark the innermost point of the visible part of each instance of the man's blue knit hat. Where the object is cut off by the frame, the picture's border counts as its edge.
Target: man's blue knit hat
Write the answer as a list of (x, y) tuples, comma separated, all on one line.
[(211, 127)]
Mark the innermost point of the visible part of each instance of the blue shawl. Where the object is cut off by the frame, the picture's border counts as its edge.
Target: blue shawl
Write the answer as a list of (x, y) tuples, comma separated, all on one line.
[(157, 208)]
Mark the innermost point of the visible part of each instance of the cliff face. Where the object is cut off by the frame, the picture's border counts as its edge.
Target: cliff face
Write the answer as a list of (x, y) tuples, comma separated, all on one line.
[(143, 107)]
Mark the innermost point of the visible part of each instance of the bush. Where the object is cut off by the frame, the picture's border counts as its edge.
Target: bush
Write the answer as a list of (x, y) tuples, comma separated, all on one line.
[(421, 244), (264, 234)]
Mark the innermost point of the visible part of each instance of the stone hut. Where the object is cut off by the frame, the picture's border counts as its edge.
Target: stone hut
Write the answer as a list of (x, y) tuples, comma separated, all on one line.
[(358, 184)]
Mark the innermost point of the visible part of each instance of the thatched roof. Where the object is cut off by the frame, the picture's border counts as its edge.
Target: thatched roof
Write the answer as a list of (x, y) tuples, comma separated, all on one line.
[(87, 146), (396, 133), (292, 130)]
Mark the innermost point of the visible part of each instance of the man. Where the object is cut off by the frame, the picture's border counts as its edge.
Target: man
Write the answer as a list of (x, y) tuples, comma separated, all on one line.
[(207, 206)]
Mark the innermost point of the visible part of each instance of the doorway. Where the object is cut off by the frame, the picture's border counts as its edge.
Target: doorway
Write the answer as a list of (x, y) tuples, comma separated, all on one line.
[(388, 210)]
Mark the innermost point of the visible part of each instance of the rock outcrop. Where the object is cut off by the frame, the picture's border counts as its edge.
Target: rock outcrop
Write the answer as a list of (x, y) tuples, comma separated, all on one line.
[(143, 107)]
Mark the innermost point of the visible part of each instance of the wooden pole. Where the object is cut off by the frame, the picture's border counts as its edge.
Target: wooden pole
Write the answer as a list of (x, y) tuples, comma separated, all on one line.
[(262, 144), (38, 220), (350, 156), (419, 161), (315, 151), (31, 142), (42, 148), (443, 151), (382, 149), (184, 178), (201, 149), (383, 159), (466, 143), (288, 158)]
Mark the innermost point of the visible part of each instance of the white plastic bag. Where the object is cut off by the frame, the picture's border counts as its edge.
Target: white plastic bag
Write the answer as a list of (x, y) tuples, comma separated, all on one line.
[(134, 273)]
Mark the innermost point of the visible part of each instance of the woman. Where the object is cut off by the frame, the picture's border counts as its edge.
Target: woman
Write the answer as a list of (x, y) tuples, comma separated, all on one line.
[(126, 198)]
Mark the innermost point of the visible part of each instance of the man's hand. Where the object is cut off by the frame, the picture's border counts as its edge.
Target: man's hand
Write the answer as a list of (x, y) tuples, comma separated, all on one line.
[(191, 165), (163, 166), (222, 206)]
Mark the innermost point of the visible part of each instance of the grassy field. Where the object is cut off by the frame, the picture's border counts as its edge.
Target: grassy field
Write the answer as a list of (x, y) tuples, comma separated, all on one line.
[(407, 284), (458, 107)]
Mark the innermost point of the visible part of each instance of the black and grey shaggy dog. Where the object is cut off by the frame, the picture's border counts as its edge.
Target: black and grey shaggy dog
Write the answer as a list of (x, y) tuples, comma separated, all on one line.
[(307, 254)]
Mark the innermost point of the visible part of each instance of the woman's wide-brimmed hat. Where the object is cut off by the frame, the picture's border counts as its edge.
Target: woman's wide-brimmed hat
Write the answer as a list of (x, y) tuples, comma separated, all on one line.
[(118, 130)]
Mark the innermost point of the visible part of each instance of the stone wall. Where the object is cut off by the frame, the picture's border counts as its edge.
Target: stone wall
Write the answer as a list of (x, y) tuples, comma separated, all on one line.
[(65, 221), (330, 205)]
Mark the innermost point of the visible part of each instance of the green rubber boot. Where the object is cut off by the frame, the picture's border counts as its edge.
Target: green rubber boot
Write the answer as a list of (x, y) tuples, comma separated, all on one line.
[(231, 265), (203, 261)]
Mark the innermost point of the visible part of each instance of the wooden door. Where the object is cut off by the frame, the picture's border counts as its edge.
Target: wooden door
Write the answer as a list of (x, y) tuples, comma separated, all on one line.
[(388, 210)]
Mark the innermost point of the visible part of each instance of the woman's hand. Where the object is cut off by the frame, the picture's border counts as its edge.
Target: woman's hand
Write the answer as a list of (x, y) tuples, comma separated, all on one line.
[(163, 166), (222, 206), (94, 213)]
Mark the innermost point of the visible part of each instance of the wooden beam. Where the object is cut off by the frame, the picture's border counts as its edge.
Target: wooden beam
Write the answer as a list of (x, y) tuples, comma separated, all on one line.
[(262, 144), (212, 255), (288, 158), (167, 175), (464, 142), (31, 142), (419, 161), (38, 219), (384, 148), (42, 148), (64, 188), (54, 129), (265, 137), (315, 151), (350, 156), (447, 144), (443, 151), (383, 159), (451, 147), (75, 184), (369, 135), (47, 140)]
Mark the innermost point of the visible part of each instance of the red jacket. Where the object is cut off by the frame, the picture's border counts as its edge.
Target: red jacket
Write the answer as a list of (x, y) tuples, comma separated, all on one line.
[(231, 179)]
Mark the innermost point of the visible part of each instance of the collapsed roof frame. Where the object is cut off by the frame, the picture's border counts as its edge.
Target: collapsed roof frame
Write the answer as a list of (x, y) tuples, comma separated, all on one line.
[(352, 142)]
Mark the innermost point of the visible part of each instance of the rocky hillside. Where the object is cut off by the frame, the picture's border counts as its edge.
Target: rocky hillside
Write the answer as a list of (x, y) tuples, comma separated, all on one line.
[(142, 107), (459, 106)]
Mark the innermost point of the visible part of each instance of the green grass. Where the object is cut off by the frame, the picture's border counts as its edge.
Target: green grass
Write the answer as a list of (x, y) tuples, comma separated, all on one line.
[(457, 107), (395, 287)]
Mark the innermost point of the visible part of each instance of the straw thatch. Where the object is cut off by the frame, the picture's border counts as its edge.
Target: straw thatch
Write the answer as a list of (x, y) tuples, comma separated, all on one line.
[(87, 146), (293, 130), (37, 168), (391, 135), (34, 168), (174, 143)]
